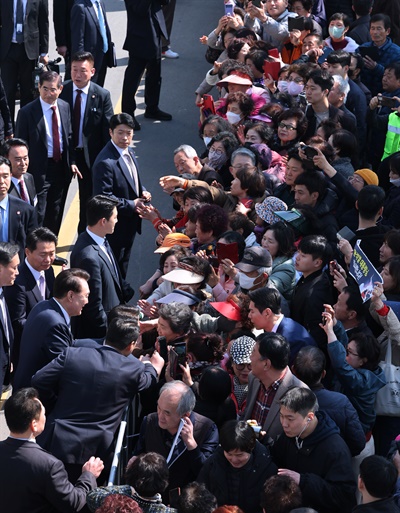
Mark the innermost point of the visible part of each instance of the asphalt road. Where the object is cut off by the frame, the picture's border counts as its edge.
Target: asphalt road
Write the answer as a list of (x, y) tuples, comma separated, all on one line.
[(155, 143)]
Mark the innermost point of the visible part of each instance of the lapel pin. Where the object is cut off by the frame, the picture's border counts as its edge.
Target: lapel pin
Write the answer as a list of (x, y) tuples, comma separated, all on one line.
[(93, 96)]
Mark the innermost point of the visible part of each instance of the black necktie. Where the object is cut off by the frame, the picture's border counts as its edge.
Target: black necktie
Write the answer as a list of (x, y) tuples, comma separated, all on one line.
[(77, 117), (19, 20), (111, 256)]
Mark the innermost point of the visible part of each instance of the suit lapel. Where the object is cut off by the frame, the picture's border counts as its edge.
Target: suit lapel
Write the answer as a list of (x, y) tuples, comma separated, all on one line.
[(14, 218), (90, 101), (93, 14), (63, 118), (31, 282), (39, 121), (110, 267), (126, 172)]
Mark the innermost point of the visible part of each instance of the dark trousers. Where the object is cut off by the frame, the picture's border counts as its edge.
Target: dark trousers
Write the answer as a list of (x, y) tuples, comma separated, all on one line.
[(168, 11), (133, 75), (17, 68), (85, 187), (51, 199), (121, 242), (101, 70)]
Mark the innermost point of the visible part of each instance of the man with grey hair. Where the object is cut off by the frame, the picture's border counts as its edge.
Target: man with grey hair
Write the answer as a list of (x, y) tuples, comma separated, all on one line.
[(197, 440), (189, 166), (338, 96)]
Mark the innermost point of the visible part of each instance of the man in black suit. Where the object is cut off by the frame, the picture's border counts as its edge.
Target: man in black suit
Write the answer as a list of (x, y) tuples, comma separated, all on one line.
[(33, 284), (93, 254), (51, 156), (22, 183), (47, 330), (146, 25), (91, 388), (24, 37), (16, 216), (45, 486), (9, 261), (90, 32), (91, 113), (62, 30), (115, 173)]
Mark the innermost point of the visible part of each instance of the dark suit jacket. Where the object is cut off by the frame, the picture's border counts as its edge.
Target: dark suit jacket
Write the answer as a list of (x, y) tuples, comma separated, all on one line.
[(107, 289), (24, 295), (62, 22), (30, 186), (85, 31), (45, 336), (36, 27), (111, 177), (146, 25), (96, 121), (21, 220), (335, 114), (296, 335), (92, 386), (45, 487), (6, 127), (31, 127), (6, 347), (272, 425)]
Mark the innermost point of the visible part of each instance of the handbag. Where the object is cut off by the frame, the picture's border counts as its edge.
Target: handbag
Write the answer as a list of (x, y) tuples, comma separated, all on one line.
[(388, 397)]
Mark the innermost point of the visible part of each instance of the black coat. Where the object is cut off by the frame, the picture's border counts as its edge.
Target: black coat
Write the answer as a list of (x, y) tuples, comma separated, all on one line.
[(30, 187)]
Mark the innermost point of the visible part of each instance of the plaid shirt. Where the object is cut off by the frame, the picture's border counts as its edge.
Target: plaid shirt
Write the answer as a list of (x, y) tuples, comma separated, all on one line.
[(264, 400)]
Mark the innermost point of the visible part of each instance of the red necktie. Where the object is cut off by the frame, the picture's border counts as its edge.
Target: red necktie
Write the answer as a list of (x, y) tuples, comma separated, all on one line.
[(23, 191), (77, 117), (56, 135)]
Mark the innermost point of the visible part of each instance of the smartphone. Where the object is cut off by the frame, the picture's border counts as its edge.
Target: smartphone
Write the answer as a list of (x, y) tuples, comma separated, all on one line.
[(369, 51), (177, 356), (229, 9), (385, 101), (333, 266), (162, 341), (309, 152), (213, 261), (296, 23), (272, 68), (345, 233), (208, 105), (256, 3), (174, 497), (273, 52), (230, 251)]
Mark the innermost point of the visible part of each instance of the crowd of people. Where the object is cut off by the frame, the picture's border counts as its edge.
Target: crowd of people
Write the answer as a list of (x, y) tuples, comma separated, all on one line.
[(258, 355)]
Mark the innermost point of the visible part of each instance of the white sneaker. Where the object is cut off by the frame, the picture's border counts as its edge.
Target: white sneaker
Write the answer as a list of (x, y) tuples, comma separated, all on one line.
[(169, 54)]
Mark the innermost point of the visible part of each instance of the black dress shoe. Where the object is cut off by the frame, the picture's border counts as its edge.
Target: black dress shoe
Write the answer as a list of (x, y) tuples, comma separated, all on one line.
[(157, 114), (136, 124)]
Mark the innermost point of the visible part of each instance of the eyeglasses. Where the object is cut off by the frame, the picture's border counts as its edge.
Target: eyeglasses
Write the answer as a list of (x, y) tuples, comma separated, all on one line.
[(356, 179), (217, 151), (287, 127), (242, 166), (241, 366), (298, 80), (348, 352)]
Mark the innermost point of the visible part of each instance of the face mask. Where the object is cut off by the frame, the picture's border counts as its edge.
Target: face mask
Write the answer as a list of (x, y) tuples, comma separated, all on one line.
[(232, 117), (215, 160), (336, 32), (295, 89), (283, 86), (207, 140), (395, 182), (245, 282)]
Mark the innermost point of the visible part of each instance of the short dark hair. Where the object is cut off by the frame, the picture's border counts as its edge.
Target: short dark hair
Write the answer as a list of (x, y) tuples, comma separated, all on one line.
[(321, 78), (245, 102), (300, 400), (345, 143), (362, 7), (394, 271), (253, 181), (228, 141), (221, 124), (395, 66), (121, 333), (280, 494), (69, 279), (392, 239), (148, 474), (284, 236), (41, 234), (376, 18), (128, 312), (205, 346), (12, 143), (266, 297), (195, 497), (307, 4), (339, 57), (234, 236), (367, 347), (50, 76), (275, 348), (21, 409), (198, 193), (121, 119), (309, 364), (5, 162), (313, 182), (318, 37), (340, 16), (215, 385), (213, 218), (299, 115), (360, 60), (178, 316), (354, 301), (257, 57), (317, 246), (100, 207), (379, 476), (237, 435), (294, 154), (370, 200), (7, 252), (82, 56)]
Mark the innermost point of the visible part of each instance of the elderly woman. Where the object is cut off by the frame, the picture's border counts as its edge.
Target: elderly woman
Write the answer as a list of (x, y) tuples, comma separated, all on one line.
[(146, 478), (291, 125), (239, 367), (239, 106), (237, 470), (174, 322)]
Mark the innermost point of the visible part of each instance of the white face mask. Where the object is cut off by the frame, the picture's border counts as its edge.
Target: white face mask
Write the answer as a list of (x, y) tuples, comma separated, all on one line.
[(395, 182), (245, 282), (207, 140), (283, 86), (295, 89), (233, 118)]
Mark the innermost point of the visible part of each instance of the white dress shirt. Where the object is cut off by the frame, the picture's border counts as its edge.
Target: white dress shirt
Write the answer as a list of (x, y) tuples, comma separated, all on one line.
[(47, 115), (84, 96)]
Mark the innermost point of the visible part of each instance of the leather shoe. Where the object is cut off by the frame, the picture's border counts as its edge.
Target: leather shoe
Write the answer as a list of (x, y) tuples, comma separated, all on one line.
[(136, 124), (157, 114)]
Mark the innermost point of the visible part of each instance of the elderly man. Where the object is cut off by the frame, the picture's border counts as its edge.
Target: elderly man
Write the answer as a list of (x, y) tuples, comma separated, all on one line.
[(188, 164), (195, 443), (45, 486)]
